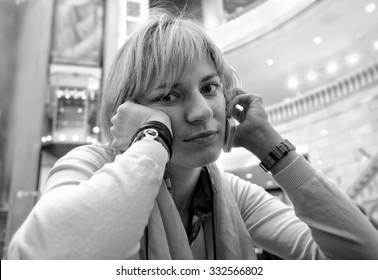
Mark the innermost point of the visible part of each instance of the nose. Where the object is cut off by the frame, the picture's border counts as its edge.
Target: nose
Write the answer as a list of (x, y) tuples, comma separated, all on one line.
[(198, 109)]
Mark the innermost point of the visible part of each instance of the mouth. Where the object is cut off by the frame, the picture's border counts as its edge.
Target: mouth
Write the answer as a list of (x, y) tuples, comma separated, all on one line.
[(202, 136)]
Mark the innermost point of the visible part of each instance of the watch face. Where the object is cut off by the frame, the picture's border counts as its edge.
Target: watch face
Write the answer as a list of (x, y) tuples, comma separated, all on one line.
[(150, 133)]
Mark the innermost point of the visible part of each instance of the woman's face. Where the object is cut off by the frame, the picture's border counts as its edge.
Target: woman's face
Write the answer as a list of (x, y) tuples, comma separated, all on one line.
[(197, 109)]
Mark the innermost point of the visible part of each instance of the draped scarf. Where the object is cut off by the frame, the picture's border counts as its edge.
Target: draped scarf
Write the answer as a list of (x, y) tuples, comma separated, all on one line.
[(166, 238)]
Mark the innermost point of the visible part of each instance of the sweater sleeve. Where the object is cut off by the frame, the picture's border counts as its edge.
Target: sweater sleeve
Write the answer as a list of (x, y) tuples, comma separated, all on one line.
[(93, 207), (325, 222)]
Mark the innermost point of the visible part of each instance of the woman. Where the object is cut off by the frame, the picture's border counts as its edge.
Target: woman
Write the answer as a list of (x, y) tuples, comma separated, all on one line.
[(155, 192)]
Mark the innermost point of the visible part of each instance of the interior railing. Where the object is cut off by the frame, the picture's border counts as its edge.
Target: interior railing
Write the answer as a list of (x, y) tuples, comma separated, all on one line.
[(320, 97)]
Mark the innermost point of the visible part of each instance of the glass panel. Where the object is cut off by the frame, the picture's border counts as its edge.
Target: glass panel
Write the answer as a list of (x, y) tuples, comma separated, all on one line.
[(78, 31), (133, 9), (72, 110)]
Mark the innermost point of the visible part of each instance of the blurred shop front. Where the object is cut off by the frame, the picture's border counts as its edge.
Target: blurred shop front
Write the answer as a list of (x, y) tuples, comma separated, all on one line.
[(56, 54)]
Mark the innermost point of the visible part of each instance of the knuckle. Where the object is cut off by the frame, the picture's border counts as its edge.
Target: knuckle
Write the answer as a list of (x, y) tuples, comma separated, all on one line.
[(113, 130), (114, 119)]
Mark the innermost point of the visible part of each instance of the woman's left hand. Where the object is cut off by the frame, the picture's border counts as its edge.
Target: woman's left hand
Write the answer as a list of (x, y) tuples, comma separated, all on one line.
[(255, 132)]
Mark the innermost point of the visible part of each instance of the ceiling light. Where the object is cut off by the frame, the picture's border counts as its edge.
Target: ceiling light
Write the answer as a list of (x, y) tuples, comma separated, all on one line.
[(312, 76), (292, 82), (323, 132), (270, 62), (370, 7), (332, 67), (317, 40), (353, 58)]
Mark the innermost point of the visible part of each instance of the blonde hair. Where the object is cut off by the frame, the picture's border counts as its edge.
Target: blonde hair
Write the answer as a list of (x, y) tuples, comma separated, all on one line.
[(156, 53)]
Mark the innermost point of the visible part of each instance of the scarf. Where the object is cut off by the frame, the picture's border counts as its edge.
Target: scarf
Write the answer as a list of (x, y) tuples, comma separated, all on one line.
[(166, 238)]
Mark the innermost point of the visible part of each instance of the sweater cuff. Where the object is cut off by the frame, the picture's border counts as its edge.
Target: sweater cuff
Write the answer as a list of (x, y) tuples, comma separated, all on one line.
[(298, 172), (151, 149)]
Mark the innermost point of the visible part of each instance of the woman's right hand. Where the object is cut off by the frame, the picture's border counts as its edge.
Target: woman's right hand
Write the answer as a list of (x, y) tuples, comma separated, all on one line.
[(129, 118)]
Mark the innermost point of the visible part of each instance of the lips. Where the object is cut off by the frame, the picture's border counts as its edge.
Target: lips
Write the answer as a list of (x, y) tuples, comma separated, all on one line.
[(201, 136)]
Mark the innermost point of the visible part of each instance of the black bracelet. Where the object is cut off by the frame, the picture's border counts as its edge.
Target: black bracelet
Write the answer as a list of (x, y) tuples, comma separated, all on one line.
[(161, 128), (163, 131)]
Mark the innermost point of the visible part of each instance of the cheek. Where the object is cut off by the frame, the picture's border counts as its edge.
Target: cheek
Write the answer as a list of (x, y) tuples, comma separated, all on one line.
[(177, 121), (219, 110)]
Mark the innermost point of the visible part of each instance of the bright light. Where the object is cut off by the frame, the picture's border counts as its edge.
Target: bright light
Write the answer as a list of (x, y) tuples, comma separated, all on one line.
[(269, 183), (312, 76), (292, 82), (48, 137), (370, 7), (43, 139), (332, 67), (323, 132), (317, 40), (270, 62), (375, 45), (353, 58), (62, 137), (96, 129), (248, 176), (88, 139), (240, 107)]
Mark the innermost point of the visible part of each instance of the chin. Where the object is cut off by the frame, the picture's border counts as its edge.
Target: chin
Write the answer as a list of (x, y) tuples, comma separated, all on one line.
[(204, 158), (211, 158)]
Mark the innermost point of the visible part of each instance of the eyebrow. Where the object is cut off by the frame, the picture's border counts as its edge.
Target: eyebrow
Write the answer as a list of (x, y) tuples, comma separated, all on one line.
[(204, 79)]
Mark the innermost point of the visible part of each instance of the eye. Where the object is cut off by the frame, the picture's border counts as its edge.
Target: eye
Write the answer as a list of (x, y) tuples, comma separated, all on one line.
[(211, 89), (169, 97)]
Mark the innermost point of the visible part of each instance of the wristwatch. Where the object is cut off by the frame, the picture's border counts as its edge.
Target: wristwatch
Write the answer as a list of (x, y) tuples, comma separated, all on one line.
[(153, 134), (149, 133), (279, 151)]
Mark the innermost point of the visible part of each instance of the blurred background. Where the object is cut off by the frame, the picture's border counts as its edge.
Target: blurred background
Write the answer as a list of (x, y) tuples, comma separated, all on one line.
[(315, 63)]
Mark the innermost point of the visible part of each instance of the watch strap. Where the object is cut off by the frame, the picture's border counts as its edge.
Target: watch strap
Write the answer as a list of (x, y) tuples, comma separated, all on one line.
[(157, 131), (279, 151)]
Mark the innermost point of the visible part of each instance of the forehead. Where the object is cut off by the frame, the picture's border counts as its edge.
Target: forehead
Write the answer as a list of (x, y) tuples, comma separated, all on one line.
[(188, 73), (197, 70)]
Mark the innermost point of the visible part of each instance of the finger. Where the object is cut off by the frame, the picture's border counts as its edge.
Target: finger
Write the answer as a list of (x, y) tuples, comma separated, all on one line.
[(114, 120), (244, 99), (240, 99), (258, 98), (230, 94), (114, 131), (116, 144)]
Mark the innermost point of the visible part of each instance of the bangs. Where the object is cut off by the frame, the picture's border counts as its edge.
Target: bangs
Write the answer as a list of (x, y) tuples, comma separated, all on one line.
[(171, 47)]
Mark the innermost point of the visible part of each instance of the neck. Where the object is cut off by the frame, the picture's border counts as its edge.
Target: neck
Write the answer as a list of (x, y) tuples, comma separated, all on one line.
[(183, 182)]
